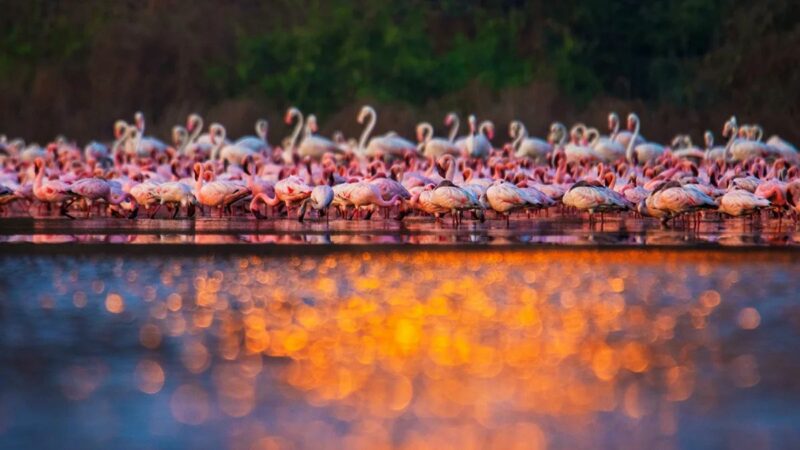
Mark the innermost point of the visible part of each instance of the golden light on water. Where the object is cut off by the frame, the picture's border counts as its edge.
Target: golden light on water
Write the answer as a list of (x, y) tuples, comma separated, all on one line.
[(430, 350), (149, 376), (114, 303)]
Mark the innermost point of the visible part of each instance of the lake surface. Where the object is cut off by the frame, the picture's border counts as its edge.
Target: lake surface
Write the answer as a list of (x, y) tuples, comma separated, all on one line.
[(552, 230), (411, 348)]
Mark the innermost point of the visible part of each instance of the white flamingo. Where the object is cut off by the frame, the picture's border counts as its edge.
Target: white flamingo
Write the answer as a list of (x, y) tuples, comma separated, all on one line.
[(644, 152), (528, 147), (389, 144)]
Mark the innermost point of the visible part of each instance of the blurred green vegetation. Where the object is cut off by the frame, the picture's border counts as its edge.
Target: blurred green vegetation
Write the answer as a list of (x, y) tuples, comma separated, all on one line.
[(70, 63)]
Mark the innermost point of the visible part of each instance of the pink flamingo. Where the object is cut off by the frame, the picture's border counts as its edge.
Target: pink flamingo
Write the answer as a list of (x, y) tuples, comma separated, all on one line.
[(51, 191)]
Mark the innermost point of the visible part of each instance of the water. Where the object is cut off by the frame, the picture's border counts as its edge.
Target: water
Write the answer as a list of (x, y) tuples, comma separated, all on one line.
[(409, 348), (549, 230)]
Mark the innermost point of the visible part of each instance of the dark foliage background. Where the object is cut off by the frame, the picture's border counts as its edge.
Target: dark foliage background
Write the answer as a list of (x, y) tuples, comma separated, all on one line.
[(74, 66)]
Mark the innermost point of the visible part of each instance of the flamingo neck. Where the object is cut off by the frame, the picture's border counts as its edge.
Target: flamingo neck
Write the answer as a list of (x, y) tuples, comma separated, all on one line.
[(454, 129), (217, 150), (522, 133), (729, 145), (298, 127), (362, 142), (632, 143), (196, 131)]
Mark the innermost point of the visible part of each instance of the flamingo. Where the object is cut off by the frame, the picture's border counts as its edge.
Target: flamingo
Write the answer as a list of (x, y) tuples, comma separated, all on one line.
[(594, 198), (91, 190), (745, 147), (608, 149), (390, 144), (145, 145), (364, 195), (713, 153), (320, 199), (528, 147), (738, 202), (145, 195), (504, 197), (432, 146), (623, 137), (51, 191), (230, 153), (783, 148), (289, 190), (454, 199), (577, 151), (257, 143), (315, 146), (217, 194), (175, 194), (8, 196), (477, 144), (643, 152), (673, 200)]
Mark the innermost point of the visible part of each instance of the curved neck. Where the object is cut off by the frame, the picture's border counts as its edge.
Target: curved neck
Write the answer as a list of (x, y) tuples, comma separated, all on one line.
[(593, 136), (386, 203), (362, 142), (454, 129), (562, 131), (451, 167), (426, 132), (262, 127), (632, 142), (522, 133), (215, 153), (118, 142), (484, 127), (198, 183), (198, 128), (37, 180), (734, 131), (181, 139), (298, 127)]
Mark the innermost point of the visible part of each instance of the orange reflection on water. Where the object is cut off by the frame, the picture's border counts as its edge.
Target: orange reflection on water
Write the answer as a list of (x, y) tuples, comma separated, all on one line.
[(438, 350)]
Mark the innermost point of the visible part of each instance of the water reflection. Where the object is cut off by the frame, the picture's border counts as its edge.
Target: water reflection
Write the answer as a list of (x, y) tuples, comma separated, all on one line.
[(626, 349), (556, 230)]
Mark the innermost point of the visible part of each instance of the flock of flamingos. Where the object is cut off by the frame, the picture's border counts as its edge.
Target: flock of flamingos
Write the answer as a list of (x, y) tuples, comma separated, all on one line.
[(577, 170)]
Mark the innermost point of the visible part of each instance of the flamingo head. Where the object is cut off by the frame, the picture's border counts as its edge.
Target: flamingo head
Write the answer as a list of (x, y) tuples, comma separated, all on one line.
[(192, 121), (421, 132), (198, 171), (290, 113), (120, 127), (138, 120), (366, 110), (472, 120), (450, 118), (312, 123), (613, 120), (633, 119), (490, 131), (38, 165)]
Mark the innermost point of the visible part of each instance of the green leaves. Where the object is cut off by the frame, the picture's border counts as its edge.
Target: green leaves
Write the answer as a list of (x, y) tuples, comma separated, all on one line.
[(384, 51)]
